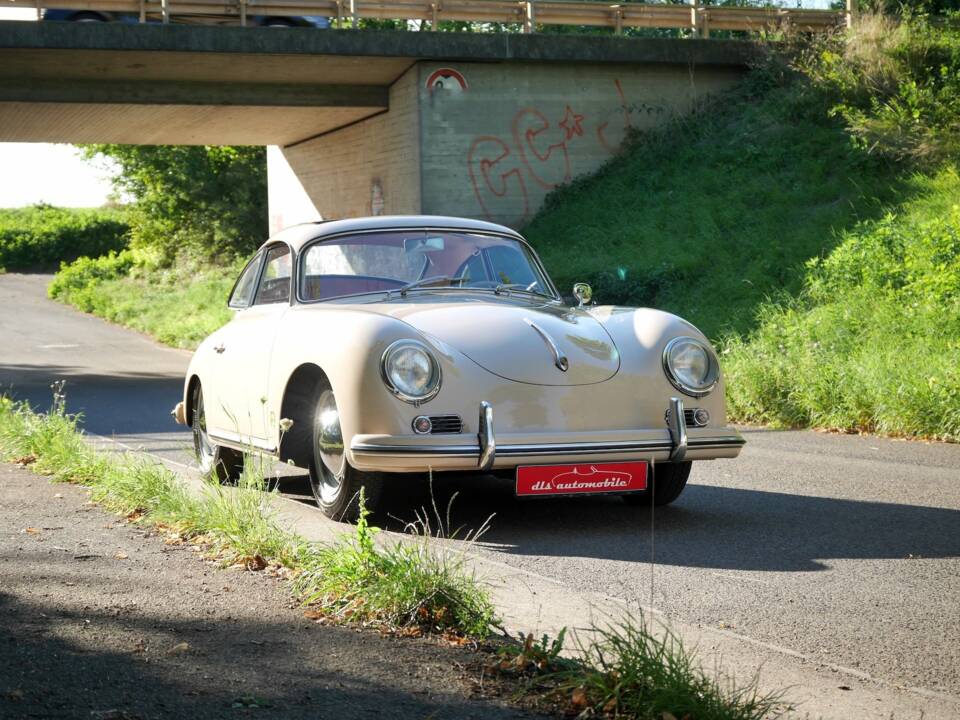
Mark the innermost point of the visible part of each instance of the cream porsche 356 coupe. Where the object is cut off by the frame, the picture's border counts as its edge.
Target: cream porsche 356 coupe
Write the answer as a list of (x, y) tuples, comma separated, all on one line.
[(367, 350)]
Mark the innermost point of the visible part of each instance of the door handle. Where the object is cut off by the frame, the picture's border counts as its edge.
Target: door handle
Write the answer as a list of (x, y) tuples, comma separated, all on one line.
[(218, 349)]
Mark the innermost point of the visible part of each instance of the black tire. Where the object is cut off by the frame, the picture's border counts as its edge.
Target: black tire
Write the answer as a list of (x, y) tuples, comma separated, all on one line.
[(223, 463), (669, 480), (279, 22), (88, 17), (336, 485)]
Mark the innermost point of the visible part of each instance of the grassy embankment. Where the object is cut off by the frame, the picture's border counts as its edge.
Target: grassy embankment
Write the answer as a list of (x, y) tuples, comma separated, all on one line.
[(178, 305), (413, 587)]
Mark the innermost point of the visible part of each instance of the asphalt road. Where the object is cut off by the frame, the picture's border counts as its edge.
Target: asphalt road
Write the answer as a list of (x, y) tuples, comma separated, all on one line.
[(845, 549)]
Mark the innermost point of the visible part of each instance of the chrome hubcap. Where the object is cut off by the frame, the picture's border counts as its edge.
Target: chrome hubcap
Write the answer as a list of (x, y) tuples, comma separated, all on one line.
[(329, 440), (201, 440)]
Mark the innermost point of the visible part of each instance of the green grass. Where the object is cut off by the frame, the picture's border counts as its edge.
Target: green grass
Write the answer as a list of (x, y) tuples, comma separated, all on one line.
[(710, 217), (628, 670), (419, 585), (873, 342), (179, 306), (407, 583), (40, 237)]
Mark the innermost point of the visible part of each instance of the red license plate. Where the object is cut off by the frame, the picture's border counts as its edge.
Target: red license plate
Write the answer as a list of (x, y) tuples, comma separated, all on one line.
[(571, 479)]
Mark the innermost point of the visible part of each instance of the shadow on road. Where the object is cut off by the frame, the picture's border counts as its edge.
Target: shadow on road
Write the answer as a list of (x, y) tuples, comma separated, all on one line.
[(709, 527), (125, 403), (61, 663)]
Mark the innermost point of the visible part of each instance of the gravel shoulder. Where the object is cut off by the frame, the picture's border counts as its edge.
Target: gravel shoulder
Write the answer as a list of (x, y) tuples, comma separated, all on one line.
[(102, 619)]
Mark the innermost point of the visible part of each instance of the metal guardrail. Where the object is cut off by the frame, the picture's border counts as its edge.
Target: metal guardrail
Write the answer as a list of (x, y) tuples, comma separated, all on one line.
[(527, 14)]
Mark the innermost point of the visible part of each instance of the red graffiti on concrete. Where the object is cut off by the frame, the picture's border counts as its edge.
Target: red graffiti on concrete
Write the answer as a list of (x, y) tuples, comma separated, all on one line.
[(492, 171), (602, 127), (540, 153)]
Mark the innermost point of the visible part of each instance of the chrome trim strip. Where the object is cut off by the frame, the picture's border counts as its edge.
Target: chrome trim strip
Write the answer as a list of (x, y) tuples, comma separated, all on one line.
[(585, 448), (426, 450), (701, 443), (678, 430), (474, 451), (488, 441), (559, 358), (243, 444), (574, 449)]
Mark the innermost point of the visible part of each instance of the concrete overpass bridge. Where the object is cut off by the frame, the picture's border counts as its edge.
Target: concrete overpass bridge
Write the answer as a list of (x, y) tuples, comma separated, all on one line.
[(361, 122)]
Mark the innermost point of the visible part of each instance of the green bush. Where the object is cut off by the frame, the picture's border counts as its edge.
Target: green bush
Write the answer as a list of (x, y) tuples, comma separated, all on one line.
[(40, 237), (873, 343), (179, 306), (895, 84)]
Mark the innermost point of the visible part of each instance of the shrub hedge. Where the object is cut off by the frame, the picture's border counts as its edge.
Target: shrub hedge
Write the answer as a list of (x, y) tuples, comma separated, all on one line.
[(41, 237)]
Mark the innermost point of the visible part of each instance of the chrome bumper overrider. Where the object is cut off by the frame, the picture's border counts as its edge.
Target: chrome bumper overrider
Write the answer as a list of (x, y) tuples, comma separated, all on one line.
[(675, 446)]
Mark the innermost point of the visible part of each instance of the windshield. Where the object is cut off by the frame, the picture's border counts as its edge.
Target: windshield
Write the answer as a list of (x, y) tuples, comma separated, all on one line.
[(417, 259)]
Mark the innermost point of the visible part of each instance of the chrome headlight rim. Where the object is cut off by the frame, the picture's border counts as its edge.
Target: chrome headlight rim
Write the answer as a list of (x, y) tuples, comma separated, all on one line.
[(713, 374), (437, 374)]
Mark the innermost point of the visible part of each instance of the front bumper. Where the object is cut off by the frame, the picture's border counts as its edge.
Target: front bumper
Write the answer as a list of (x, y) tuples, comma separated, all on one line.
[(489, 451)]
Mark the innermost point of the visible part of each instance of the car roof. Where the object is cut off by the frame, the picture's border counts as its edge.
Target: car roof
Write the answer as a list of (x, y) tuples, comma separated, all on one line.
[(298, 235)]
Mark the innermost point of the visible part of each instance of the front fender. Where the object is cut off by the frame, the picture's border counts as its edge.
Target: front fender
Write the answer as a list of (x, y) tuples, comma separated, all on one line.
[(641, 334), (348, 352)]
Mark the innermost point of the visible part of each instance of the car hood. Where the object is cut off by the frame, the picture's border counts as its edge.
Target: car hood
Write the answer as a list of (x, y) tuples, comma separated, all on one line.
[(513, 339)]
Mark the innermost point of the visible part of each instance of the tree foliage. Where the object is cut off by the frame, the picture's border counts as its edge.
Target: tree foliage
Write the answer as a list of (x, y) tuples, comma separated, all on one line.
[(206, 201)]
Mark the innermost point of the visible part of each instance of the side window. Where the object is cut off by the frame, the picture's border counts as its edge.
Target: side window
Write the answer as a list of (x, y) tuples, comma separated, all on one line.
[(275, 283), (242, 293)]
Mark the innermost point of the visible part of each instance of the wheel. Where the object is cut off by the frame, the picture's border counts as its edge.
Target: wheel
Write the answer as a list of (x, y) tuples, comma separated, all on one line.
[(226, 464), (279, 22), (87, 17), (669, 480), (336, 486)]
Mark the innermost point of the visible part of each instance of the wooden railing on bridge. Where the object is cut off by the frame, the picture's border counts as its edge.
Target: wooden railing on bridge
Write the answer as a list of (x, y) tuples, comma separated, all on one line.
[(525, 14)]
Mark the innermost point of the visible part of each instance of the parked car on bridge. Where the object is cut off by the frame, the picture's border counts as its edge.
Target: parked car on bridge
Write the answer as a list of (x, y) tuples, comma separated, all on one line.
[(75, 15), (369, 349)]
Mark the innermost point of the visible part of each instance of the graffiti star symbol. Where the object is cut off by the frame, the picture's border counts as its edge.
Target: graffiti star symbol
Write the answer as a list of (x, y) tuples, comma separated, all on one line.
[(571, 124)]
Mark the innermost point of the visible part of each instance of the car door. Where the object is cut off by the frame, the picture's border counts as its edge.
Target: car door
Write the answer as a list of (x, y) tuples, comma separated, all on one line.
[(220, 406), (245, 347)]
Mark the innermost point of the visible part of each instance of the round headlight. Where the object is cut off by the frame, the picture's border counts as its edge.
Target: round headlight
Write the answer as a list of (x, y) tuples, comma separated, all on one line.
[(690, 366), (410, 371)]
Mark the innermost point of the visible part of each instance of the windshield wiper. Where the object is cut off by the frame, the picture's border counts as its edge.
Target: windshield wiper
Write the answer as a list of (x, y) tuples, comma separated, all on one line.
[(427, 282), (520, 287)]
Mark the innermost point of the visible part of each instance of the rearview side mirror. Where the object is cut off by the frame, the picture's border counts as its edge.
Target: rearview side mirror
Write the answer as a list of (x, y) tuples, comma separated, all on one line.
[(583, 293)]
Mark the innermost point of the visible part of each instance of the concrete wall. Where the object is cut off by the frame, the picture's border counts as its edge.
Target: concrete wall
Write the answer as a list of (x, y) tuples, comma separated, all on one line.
[(495, 148), (489, 140), (288, 200), (369, 168)]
